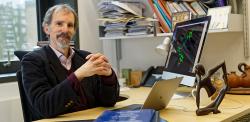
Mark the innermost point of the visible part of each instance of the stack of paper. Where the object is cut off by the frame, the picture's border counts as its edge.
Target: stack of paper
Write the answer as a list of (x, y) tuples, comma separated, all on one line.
[(139, 27), (118, 17)]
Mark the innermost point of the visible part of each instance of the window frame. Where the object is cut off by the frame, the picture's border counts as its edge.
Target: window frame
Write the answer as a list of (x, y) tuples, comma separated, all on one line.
[(8, 71)]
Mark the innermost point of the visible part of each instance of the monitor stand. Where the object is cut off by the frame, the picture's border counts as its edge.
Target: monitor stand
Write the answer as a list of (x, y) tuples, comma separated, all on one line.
[(183, 91), (187, 80)]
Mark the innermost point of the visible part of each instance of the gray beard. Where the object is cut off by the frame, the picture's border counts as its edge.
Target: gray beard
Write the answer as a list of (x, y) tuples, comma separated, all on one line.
[(62, 45)]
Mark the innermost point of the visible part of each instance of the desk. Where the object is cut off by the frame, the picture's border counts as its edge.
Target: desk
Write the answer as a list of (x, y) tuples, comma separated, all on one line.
[(178, 110)]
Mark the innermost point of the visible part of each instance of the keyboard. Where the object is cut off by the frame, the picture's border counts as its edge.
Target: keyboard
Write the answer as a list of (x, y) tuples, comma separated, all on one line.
[(244, 118)]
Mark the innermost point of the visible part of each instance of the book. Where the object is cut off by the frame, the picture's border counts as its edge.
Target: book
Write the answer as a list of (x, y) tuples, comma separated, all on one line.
[(126, 75), (163, 7), (141, 115), (163, 13), (203, 6), (196, 6), (171, 7), (177, 7), (167, 8), (135, 77), (189, 8), (183, 7), (180, 17), (163, 24)]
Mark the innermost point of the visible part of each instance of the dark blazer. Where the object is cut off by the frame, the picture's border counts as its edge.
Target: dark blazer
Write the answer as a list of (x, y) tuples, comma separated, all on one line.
[(49, 91)]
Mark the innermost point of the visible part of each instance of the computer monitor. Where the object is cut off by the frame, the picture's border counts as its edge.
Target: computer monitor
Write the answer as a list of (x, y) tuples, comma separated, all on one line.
[(186, 47)]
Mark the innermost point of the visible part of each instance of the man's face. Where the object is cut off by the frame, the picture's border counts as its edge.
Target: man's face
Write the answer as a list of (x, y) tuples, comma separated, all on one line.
[(61, 29)]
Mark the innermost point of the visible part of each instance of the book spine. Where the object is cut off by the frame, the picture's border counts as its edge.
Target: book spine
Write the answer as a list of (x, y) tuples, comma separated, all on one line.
[(183, 7), (173, 10), (196, 6), (161, 20), (177, 7), (162, 5), (203, 7), (163, 12), (189, 8), (168, 9)]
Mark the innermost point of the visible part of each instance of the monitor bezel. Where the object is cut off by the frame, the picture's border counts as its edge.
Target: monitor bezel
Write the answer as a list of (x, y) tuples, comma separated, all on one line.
[(201, 44)]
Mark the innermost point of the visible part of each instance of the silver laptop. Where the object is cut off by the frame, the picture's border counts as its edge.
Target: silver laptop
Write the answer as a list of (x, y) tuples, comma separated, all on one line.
[(159, 96), (161, 93)]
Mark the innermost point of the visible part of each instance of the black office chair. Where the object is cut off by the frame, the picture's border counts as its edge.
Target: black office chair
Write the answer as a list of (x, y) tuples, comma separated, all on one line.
[(26, 107), (26, 113)]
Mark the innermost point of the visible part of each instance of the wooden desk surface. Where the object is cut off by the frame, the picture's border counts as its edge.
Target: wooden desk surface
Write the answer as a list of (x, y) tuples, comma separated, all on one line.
[(178, 110)]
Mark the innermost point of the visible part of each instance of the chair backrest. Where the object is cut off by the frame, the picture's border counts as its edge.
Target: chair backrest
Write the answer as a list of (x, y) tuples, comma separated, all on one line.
[(24, 101), (20, 54), (28, 115)]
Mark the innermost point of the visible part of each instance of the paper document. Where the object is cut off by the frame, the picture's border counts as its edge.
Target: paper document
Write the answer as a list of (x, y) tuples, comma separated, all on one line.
[(129, 7)]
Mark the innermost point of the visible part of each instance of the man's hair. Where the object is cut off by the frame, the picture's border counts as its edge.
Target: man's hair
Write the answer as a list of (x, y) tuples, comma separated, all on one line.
[(61, 7)]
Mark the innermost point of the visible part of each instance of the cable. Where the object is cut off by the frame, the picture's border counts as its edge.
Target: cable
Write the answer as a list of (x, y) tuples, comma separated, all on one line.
[(185, 109)]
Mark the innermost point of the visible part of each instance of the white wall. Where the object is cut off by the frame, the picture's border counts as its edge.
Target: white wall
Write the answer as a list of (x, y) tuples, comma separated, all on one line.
[(224, 46), (88, 26), (10, 104), (140, 54)]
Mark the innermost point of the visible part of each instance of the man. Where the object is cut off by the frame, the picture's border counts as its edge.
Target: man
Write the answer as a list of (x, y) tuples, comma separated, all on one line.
[(59, 79)]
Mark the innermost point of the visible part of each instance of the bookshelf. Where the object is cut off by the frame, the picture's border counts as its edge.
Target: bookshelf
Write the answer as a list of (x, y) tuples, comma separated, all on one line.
[(235, 25), (138, 36)]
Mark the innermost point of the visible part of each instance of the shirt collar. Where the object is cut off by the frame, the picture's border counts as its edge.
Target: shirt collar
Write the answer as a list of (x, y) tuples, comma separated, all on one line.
[(60, 55)]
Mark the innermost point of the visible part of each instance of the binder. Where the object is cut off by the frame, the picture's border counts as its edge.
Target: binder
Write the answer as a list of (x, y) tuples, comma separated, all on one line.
[(163, 23), (196, 6), (177, 7), (165, 12), (171, 7), (142, 115), (190, 8), (168, 9), (162, 18)]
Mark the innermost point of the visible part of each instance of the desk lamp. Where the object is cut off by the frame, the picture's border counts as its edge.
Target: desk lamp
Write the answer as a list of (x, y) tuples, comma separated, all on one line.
[(164, 48)]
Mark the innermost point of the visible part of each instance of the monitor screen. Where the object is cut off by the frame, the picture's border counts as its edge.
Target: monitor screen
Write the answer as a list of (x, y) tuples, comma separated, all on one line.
[(187, 43)]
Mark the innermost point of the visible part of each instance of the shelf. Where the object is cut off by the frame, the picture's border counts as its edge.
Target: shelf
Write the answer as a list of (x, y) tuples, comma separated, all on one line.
[(138, 36), (235, 24), (226, 30), (164, 34)]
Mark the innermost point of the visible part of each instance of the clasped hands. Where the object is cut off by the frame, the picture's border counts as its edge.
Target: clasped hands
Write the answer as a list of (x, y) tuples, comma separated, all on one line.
[(96, 64)]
